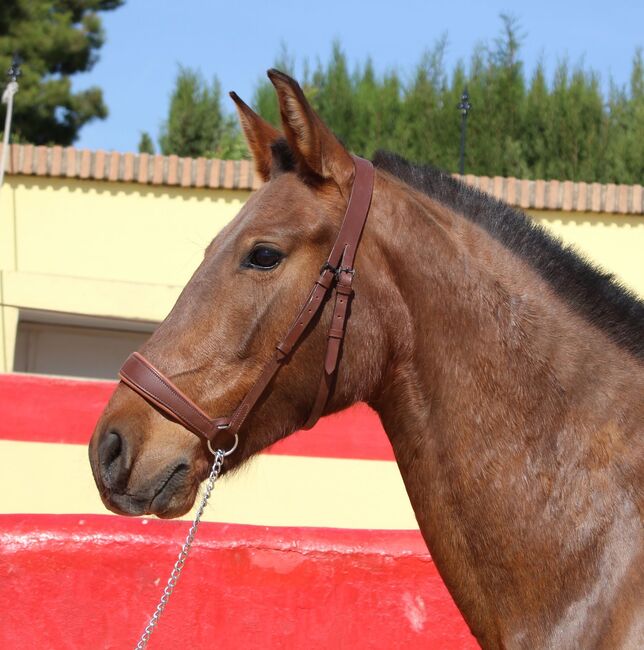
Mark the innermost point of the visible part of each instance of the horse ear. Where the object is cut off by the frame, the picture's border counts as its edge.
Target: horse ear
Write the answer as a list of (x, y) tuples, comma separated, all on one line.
[(316, 150), (260, 135)]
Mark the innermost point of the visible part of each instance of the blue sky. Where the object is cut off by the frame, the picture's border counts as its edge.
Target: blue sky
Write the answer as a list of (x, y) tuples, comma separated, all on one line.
[(238, 40)]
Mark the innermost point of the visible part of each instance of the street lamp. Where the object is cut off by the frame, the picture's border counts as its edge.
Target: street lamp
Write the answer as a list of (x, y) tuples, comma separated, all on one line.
[(7, 98), (463, 106)]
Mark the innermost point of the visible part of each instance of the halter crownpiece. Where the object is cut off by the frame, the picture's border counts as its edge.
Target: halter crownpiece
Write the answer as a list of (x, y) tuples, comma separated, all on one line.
[(336, 274)]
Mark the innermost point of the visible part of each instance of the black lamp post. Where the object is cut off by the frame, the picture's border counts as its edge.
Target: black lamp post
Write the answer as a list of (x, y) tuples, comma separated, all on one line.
[(14, 70), (463, 106)]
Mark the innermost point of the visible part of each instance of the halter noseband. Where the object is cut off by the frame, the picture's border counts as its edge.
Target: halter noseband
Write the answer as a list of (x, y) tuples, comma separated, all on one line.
[(336, 274)]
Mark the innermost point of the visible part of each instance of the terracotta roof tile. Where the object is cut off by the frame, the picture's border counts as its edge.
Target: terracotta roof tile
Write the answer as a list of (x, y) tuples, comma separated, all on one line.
[(114, 164), (69, 162), (622, 198), (187, 172), (637, 203), (98, 170), (526, 200), (159, 169), (200, 172), (579, 203), (229, 173), (497, 186), (213, 177), (539, 194), (511, 191), (142, 172), (85, 164), (568, 196), (610, 196), (172, 177), (56, 161), (553, 195), (27, 159)]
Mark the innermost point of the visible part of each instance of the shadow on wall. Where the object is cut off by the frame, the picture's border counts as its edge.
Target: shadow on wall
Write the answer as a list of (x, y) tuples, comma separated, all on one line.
[(106, 188)]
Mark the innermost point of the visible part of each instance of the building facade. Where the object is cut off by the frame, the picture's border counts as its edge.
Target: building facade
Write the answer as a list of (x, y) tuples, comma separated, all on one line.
[(317, 533)]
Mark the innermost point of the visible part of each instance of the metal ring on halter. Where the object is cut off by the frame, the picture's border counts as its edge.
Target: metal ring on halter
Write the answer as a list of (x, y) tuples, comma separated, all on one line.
[(226, 453)]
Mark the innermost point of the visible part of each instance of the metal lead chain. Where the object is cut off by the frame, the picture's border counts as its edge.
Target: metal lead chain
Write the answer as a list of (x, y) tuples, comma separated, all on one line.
[(185, 549)]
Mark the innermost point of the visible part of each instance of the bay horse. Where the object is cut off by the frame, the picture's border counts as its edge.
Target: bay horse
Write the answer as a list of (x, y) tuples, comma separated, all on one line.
[(507, 372)]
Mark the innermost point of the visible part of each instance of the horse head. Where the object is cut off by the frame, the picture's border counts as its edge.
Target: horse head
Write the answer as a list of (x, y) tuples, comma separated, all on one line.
[(238, 304)]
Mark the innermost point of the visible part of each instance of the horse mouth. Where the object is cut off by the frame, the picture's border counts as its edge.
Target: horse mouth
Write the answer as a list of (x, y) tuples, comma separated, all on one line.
[(172, 496), (172, 489)]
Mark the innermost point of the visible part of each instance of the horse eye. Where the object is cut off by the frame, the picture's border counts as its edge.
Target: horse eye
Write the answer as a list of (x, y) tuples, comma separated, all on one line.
[(264, 257)]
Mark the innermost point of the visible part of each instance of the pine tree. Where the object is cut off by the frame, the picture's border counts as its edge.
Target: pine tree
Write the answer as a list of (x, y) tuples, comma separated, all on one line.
[(56, 39)]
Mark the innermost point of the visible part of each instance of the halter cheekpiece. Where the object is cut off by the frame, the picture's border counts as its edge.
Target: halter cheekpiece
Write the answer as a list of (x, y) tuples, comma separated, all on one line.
[(336, 276)]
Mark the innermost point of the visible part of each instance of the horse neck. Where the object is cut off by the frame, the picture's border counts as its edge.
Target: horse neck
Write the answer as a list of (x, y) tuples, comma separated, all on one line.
[(490, 403)]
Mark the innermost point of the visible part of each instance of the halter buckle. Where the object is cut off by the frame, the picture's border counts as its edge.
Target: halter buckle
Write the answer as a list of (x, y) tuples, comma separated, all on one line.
[(337, 270), (328, 267)]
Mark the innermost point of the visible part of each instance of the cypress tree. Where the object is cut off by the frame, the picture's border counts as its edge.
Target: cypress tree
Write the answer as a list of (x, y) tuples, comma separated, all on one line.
[(563, 127)]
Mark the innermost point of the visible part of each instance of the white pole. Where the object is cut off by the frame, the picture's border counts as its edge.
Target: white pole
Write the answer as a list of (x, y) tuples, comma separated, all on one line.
[(7, 98)]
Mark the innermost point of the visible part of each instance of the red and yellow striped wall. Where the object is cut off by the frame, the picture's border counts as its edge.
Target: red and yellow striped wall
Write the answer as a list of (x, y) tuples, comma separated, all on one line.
[(314, 545)]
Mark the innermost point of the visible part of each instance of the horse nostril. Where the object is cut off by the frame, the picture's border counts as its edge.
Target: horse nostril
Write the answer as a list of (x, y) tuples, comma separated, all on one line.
[(112, 447), (112, 461)]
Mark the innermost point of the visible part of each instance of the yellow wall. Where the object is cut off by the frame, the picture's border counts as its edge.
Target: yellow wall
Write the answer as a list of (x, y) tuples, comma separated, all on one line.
[(123, 250), (614, 241), (113, 250)]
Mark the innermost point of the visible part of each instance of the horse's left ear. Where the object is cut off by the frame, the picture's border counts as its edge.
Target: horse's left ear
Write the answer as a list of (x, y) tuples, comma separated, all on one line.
[(260, 135), (317, 151)]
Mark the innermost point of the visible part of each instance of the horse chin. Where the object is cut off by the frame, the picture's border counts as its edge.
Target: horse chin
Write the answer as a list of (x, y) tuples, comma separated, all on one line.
[(130, 506), (176, 506), (167, 498)]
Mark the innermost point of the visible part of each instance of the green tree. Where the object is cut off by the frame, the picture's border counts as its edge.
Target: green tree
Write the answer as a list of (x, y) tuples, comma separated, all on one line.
[(334, 96), (421, 127), (559, 127), (145, 143), (625, 141), (264, 99), (578, 133), (196, 123), (497, 92), (538, 124), (56, 39)]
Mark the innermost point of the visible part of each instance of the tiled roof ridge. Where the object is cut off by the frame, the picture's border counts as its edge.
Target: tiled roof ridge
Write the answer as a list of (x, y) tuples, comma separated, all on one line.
[(150, 169)]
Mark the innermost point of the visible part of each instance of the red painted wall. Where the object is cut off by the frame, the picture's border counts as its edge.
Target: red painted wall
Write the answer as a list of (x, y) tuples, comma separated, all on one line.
[(92, 581), (67, 582), (70, 409)]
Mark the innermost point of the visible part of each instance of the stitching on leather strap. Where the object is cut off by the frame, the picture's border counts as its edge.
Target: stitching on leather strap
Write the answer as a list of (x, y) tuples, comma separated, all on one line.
[(159, 378)]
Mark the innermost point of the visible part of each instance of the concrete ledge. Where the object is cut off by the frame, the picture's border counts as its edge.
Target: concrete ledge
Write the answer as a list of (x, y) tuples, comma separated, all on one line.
[(92, 582)]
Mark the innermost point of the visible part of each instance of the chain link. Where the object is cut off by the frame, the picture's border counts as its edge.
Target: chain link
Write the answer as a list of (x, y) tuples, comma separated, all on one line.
[(185, 549)]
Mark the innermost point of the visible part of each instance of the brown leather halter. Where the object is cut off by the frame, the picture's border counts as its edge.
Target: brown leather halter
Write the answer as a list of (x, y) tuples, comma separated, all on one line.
[(337, 273)]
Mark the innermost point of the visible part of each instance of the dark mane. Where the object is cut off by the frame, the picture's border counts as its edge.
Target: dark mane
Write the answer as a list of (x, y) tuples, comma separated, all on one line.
[(597, 295)]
